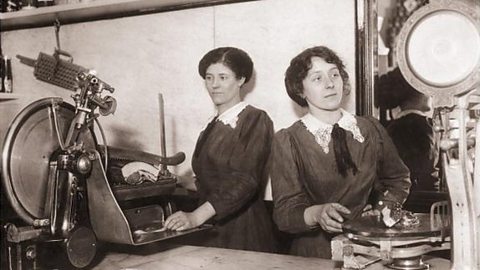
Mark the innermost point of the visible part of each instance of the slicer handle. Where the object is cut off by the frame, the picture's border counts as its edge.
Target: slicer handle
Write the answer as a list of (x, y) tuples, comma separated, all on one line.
[(59, 52), (27, 61)]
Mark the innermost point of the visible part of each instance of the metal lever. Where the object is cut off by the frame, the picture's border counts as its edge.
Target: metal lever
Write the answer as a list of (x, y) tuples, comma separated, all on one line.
[(163, 151), (164, 161)]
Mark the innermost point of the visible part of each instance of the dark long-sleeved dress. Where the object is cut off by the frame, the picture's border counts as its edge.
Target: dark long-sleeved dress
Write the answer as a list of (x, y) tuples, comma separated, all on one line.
[(413, 136), (303, 175), (231, 174)]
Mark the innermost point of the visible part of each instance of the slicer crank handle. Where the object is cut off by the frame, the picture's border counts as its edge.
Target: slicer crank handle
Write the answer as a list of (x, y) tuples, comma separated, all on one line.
[(59, 52)]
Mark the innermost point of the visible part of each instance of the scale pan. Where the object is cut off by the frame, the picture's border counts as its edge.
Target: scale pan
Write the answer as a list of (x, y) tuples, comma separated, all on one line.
[(373, 228)]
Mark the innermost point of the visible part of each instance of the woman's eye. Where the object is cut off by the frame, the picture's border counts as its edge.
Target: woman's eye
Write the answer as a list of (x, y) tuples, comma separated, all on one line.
[(223, 78), (335, 75)]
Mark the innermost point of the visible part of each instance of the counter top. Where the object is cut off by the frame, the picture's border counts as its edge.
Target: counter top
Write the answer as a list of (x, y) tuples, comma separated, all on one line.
[(184, 257)]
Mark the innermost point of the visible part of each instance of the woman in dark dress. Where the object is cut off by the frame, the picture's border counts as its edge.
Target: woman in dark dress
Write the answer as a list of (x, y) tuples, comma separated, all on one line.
[(411, 130), (230, 160), (326, 166)]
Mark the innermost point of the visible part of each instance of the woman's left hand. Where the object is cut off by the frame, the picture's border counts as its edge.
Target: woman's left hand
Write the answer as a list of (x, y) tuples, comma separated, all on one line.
[(181, 221)]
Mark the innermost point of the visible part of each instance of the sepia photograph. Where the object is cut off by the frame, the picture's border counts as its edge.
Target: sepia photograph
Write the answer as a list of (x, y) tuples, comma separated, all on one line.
[(240, 134)]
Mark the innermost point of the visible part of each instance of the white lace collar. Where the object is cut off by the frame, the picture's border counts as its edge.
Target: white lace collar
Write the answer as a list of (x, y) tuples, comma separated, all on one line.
[(323, 131), (407, 112), (230, 116)]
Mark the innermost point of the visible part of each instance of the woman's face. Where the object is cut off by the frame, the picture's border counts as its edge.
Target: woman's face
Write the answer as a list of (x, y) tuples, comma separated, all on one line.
[(222, 85), (323, 85)]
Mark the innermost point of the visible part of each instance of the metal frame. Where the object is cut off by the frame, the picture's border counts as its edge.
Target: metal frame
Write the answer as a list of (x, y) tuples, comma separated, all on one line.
[(366, 55), (462, 185), (443, 95)]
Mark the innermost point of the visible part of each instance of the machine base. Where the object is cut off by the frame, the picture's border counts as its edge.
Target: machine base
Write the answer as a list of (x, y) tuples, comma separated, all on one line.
[(414, 263)]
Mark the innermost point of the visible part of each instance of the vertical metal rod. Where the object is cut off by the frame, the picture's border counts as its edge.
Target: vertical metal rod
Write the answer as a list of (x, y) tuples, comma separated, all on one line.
[(163, 150), (57, 32), (54, 120), (476, 192), (367, 56), (476, 173), (460, 187)]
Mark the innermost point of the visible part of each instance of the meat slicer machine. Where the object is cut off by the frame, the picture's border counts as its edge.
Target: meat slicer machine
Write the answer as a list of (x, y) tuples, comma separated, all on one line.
[(438, 52), (67, 189)]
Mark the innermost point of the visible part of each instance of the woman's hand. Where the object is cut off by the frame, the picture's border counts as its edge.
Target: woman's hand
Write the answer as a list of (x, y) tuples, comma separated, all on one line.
[(180, 221), (328, 216), (369, 211)]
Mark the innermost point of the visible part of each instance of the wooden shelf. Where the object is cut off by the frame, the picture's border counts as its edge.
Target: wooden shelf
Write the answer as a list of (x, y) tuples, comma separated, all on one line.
[(95, 10), (7, 96)]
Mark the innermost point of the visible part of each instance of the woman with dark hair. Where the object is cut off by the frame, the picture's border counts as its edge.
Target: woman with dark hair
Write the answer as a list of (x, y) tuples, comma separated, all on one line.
[(326, 165), (411, 130), (230, 160)]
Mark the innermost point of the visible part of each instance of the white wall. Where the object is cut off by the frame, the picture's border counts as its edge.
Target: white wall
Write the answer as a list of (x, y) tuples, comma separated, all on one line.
[(145, 55)]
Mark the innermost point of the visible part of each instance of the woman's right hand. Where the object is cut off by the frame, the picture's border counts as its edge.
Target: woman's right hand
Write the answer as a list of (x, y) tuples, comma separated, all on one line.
[(328, 216), (181, 221)]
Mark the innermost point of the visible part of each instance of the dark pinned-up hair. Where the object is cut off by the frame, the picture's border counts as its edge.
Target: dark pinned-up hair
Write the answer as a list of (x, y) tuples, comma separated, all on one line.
[(393, 90), (302, 63), (236, 59)]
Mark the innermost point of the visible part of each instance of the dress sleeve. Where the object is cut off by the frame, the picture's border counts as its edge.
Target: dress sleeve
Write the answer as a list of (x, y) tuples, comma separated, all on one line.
[(393, 176), (246, 166), (289, 197)]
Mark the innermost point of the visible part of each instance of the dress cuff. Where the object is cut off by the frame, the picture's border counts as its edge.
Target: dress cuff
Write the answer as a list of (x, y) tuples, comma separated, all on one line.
[(297, 221), (220, 212)]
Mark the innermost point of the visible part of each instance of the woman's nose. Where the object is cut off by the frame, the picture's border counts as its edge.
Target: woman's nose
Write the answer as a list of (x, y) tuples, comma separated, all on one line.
[(215, 83), (329, 82)]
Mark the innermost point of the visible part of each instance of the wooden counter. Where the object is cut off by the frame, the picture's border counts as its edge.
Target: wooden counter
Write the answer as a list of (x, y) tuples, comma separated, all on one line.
[(184, 257)]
